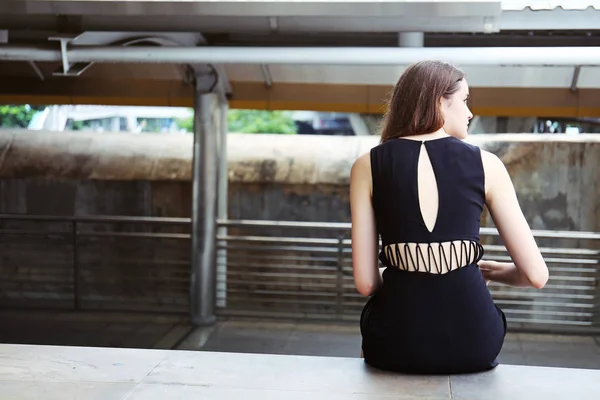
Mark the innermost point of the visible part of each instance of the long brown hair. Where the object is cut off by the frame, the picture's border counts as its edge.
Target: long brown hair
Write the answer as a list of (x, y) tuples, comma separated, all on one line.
[(414, 107)]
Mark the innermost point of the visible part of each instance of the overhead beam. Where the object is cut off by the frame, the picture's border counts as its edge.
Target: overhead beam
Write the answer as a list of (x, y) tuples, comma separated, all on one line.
[(261, 24), (311, 55), (485, 101), (272, 8), (126, 39), (68, 69), (285, 16), (411, 39), (295, 16)]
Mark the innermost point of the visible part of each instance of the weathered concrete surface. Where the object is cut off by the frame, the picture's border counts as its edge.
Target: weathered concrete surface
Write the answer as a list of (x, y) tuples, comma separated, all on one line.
[(88, 156), (270, 176), (556, 179), (124, 157), (58, 372)]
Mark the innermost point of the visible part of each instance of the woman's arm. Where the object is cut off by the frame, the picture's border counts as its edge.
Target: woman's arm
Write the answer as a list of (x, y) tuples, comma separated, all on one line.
[(506, 273), (529, 268), (365, 243)]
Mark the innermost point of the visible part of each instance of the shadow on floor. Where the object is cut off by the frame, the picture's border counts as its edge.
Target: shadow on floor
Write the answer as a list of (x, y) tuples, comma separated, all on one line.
[(343, 340), (151, 331), (93, 329)]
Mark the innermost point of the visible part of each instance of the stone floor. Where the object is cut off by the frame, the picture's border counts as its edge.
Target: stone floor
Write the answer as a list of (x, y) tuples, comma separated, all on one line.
[(343, 340), (29, 372), (127, 330)]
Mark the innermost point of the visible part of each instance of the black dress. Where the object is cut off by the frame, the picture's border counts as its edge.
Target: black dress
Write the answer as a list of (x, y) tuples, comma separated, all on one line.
[(443, 321)]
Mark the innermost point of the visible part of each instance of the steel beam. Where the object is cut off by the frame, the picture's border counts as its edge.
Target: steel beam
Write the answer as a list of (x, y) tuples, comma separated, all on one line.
[(562, 56)]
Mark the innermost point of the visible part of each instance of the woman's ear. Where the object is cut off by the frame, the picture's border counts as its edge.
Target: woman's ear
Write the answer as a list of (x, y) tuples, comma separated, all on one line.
[(443, 104)]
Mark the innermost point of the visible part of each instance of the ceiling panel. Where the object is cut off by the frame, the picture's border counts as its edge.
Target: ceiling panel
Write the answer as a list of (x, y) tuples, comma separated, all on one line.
[(543, 77), (276, 8), (589, 77), (271, 16)]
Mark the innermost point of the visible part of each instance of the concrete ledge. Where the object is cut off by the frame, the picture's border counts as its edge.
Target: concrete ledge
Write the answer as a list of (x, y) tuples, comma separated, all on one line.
[(252, 158), (32, 372)]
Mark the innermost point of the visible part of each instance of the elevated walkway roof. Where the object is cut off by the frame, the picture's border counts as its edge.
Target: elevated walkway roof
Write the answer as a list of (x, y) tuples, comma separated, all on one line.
[(526, 70)]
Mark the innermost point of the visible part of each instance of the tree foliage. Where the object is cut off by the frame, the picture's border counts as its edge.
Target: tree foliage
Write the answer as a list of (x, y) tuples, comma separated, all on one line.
[(260, 121), (16, 116), (240, 121), (186, 124), (252, 121)]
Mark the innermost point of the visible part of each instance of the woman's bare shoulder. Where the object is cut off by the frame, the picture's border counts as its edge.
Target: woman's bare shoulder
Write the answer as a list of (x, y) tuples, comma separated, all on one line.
[(493, 166), (363, 162), (491, 160), (496, 175)]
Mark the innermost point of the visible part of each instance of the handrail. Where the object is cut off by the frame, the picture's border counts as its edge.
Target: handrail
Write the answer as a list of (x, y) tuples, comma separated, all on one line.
[(582, 235), (97, 218)]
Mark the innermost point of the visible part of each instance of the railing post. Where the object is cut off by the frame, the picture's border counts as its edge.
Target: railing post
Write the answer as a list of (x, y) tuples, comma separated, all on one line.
[(76, 271), (340, 277), (222, 201)]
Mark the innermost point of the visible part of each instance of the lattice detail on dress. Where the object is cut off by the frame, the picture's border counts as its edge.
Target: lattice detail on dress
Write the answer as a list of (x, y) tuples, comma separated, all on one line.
[(436, 258)]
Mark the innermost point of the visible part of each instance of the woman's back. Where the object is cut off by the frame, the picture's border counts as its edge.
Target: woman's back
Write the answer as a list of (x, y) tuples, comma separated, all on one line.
[(428, 196)]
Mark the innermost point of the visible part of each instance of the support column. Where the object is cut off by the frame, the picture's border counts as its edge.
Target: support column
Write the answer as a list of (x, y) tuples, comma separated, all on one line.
[(115, 124), (411, 39), (501, 124), (204, 207)]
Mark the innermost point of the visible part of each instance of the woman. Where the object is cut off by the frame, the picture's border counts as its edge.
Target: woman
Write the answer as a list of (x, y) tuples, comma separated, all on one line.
[(423, 190)]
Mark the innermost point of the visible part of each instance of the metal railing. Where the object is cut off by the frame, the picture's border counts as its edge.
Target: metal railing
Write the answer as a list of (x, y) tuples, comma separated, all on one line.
[(265, 268), (304, 270), (97, 262)]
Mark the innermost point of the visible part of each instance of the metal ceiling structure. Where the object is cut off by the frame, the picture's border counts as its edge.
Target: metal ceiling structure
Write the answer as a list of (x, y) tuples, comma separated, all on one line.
[(281, 16), (339, 55)]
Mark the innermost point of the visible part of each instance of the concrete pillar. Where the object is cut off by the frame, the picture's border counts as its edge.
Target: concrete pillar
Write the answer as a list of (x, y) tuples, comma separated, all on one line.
[(207, 123), (359, 126), (411, 39), (115, 124), (501, 124), (132, 123)]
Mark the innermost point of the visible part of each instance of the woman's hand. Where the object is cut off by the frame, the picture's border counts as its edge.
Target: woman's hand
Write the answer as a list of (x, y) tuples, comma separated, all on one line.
[(490, 268), (501, 272)]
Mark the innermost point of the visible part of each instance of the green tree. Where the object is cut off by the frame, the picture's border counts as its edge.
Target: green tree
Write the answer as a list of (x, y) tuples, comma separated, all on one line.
[(252, 121), (186, 124), (260, 121), (12, 116)]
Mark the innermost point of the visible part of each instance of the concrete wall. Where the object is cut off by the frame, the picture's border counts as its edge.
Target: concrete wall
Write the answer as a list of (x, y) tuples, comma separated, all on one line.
[(279, 177), (274, 177)]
